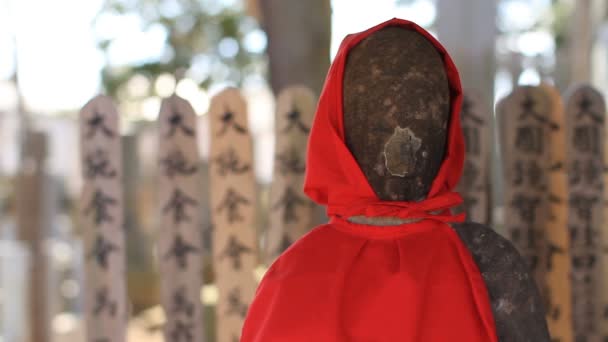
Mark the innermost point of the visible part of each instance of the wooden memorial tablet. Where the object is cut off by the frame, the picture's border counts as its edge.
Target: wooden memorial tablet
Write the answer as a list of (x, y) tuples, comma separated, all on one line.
[(180, 237), (585, 111), (102, 220), (558, 301), (31, 216), (525, 117), (473, 184), (291, 212), (233, 202)]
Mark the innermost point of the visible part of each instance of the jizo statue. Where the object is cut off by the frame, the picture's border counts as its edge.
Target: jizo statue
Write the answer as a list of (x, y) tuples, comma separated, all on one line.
[(393, 263)]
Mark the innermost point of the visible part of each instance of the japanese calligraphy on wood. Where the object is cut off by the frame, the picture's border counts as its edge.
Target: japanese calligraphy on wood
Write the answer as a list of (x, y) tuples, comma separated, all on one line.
[(525, 129), (558, 301), (473, 184), (291, 212), (102, 220), (180, 237), (31, 197), (585, 112), (233, 201)]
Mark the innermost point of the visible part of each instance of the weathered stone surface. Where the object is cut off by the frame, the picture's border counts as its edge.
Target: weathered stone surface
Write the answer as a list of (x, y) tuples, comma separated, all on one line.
[(516, 302), (396, 106)]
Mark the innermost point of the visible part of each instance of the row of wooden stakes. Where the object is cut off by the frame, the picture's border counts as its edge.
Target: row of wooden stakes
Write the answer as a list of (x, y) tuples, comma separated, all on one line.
[(553, 159), (232, 192), (553, 170)]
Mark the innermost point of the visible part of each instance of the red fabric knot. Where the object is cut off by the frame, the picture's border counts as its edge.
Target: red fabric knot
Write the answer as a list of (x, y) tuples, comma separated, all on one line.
[(435, 208)]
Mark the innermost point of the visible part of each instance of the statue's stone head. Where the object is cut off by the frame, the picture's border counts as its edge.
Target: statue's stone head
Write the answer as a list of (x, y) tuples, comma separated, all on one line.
[(396, 109)]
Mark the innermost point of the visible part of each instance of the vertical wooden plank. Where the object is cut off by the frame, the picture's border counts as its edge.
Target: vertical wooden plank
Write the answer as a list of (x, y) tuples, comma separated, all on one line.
[(558, 301), (180, 237), (474, 185), (102, 220), (291, 212), (525, 117), (604, 244), (585, 111), (581, 38), (233, 201), (31, 189), (467, 28)]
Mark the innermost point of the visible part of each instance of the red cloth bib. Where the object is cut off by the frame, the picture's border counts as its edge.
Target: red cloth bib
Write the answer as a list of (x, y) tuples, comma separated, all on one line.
[(346, 282)]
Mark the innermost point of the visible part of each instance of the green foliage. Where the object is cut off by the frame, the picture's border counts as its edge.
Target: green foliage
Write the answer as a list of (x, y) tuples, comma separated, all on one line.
[(561, 14), (195, 30)]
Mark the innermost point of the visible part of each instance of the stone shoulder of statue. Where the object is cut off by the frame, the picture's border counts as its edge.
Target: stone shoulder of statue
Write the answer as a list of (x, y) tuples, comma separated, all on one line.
[(516, 302)]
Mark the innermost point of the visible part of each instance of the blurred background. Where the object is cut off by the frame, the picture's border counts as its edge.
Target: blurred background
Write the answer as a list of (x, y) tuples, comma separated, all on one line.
[(56, 55)]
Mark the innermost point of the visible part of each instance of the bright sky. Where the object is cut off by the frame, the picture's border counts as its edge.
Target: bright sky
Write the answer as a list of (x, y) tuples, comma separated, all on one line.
[(59, 64)]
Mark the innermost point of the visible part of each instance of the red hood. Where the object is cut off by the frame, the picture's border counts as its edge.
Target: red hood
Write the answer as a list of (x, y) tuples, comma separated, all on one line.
[(333, 177), (353, 282)]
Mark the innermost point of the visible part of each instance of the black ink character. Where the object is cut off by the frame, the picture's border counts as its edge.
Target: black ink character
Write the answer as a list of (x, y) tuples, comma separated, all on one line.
[(180, 250), (290, 162), (586, 233), (294, 120), (235, 305), (585, 105), (233, 250), (102, 250), (529, 139), (97, 124), (176, 123), (470, 202), (467, 115), (553, 310), (228, 121), (528, 107), (583, 206), (182, 332), (580, 262), (592, 171), (289, 202), (553, 199), (181, 304), (528, 171), (99, 205), (553, 249), (532, 260), (526, 207), (103, 303), (228, 162), (470, 175), (587, 172), (97, 164), (231, 203), (517, 234), (176, 164), (177, 206), (472, 140), (586, 139)]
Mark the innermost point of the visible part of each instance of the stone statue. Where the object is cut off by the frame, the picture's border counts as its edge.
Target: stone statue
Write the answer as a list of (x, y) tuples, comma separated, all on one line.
[(396, 102)]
